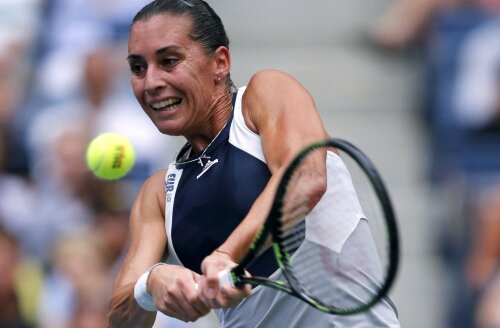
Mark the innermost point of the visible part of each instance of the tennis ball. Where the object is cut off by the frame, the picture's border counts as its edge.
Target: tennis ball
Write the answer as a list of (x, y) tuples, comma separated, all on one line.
[(110, 156)]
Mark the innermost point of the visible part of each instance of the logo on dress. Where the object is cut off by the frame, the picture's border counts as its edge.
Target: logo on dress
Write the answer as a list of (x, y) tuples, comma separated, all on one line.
[(169, 186), (207, 167)]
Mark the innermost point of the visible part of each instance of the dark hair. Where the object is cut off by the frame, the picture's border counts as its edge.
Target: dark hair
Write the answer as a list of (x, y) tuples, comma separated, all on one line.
[(208, 29)]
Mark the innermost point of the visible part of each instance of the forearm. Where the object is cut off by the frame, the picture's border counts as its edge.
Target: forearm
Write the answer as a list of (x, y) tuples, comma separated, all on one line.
[(125, 312), (238, 243), (147, 246)]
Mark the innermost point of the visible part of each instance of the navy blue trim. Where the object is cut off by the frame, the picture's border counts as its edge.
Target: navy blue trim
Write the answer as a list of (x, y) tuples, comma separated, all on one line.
[(211, 148)]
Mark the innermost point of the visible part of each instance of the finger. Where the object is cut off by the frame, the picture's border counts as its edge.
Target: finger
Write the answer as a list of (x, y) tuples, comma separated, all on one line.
[(223, 300), (205, 300), (207, 290), (175, 313), (177, 304), (229, 297), (212, 275), (236, 294), (214, 300), (174, 310), (193, 295), (172, 307), (191, 300)]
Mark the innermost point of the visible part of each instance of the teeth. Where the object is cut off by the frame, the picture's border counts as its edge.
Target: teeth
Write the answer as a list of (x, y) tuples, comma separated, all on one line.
[(166, 103)]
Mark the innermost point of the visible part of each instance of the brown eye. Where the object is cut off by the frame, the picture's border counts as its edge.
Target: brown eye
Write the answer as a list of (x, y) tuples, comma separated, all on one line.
[(137, 69), (169, 61)]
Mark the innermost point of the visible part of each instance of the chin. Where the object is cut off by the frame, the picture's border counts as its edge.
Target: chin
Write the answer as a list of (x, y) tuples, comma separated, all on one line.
[(169, 130)]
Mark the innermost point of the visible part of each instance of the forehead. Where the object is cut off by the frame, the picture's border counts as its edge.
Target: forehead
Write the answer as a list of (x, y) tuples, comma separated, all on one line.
[(160, 30)]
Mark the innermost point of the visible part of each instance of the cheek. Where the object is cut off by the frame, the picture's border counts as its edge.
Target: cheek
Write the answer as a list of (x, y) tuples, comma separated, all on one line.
[(137, 89)]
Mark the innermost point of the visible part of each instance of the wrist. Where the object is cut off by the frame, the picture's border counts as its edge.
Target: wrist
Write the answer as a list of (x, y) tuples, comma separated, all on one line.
[(141, 294), (225, 253), (150, 272)]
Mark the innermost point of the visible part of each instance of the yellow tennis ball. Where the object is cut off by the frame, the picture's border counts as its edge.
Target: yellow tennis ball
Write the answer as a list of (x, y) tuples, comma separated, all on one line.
[(110, 156)]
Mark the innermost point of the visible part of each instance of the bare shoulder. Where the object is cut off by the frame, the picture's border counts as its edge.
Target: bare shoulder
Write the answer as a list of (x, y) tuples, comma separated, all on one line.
[(269, 81), (153, 189), (269, 93), (156, 180)]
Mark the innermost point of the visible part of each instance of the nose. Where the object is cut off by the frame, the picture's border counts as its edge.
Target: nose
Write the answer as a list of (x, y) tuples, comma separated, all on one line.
[(155, 80)]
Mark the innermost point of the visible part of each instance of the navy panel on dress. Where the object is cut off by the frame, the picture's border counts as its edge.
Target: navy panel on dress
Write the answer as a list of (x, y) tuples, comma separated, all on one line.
[(207, 209)]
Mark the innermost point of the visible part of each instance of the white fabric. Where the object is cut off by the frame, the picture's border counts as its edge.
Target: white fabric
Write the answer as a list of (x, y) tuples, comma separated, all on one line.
[(141, 295), (339, 205), (171, 186), (240, 135)]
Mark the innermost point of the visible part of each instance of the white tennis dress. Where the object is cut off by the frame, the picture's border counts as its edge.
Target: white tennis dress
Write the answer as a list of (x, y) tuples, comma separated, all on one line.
[(209, 195)]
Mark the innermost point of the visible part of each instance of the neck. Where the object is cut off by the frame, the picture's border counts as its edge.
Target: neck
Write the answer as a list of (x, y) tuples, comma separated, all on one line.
[(218, 116)]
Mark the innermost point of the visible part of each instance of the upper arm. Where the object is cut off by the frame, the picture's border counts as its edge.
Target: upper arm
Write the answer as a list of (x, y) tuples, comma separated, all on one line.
[(283, 113), (148, 238)]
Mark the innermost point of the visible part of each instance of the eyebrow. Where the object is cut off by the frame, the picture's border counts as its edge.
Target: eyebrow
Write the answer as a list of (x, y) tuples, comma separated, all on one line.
[(158, 52)]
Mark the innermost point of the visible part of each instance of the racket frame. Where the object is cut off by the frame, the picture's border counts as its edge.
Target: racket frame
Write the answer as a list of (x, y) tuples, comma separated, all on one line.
[(237, 275)]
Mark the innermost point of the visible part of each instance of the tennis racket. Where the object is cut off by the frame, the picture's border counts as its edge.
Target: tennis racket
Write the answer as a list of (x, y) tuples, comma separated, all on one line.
[(307, 233)]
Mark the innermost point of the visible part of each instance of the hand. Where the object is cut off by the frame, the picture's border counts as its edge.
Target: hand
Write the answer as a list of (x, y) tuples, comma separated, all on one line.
[(211, 294), (176, 292)]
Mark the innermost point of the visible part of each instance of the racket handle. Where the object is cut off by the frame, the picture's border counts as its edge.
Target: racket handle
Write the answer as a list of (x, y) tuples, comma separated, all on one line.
[(226, 278)]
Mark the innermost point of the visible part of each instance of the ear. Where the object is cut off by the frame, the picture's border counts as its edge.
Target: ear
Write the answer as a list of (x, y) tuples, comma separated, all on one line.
[(222, 62)]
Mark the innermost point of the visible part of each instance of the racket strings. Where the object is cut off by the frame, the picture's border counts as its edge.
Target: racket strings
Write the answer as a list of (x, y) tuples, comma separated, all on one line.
[(293, 238), (373, 211), (303, 255), (290, 217), (293, 213), (326, 278), (315, 271), (315, 267)]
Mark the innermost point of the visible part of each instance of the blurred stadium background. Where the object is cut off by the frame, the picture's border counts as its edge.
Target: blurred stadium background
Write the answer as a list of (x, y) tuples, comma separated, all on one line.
[(381, 73)]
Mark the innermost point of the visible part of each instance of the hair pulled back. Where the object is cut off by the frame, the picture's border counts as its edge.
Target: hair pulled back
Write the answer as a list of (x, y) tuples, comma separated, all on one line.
[(208, 29)]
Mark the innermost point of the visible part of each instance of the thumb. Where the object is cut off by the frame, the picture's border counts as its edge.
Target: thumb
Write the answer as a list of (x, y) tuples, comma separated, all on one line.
[(210, 280)]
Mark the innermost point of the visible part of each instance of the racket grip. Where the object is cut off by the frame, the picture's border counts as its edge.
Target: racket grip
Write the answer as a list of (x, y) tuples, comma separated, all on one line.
[(226, 278)]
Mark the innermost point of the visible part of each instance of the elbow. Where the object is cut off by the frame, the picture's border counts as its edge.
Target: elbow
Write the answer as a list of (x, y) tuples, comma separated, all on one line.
[(115, 320), (112, 320), (316, 189), (125, 313)]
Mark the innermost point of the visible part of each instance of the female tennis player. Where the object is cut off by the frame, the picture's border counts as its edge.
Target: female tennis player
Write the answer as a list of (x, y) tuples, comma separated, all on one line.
[(200, 215)]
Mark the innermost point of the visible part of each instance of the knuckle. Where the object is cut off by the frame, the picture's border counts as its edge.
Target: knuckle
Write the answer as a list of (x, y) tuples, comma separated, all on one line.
[(166, 298), (192, 299), (192, 318), (169, 293)]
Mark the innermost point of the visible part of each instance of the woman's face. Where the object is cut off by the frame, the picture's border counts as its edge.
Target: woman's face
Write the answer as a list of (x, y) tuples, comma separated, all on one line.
[(172, 76)]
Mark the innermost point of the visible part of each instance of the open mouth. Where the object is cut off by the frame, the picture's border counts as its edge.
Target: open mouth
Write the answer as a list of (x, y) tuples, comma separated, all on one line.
[(169, 104)]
